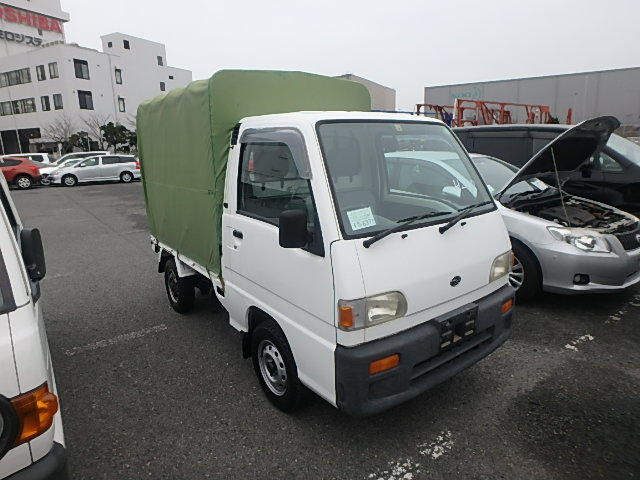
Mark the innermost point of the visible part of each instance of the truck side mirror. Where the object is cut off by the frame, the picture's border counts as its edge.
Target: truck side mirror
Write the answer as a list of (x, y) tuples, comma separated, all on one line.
[(293, 229), (33, 253)]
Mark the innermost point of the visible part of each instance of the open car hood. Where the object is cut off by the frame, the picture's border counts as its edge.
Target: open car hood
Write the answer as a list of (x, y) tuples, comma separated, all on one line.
[(568, 151)]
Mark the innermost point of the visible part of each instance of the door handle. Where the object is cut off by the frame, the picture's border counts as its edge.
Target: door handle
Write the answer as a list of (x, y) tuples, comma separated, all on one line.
[(237, 234)]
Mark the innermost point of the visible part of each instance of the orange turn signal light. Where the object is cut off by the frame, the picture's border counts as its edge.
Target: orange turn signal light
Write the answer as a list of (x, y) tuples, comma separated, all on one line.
[(346, 317), (384, 364), (506, 306), (35, 411)]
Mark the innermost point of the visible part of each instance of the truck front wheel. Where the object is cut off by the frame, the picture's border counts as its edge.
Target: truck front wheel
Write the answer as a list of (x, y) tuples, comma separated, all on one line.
[(275, 367), (180, 290)]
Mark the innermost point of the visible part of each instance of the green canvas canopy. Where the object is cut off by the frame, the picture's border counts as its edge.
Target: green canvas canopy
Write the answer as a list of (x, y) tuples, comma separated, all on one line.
[(184, 137)]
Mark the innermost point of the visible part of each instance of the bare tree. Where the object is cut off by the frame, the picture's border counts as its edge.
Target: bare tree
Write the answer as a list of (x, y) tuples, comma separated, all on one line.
[(129, 121), (93, 123), (60, 131)]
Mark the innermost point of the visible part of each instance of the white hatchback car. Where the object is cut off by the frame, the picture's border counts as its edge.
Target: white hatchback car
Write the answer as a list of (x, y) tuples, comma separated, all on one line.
[(31, 437), (101, 168)]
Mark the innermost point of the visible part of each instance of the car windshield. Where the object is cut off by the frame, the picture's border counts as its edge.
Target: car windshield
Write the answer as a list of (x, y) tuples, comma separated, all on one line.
[(624, 148), (497, 174), (69, 163), (383, 173)]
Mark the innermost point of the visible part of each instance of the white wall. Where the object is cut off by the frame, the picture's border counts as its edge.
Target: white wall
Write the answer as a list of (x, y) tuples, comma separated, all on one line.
[(141, 74)]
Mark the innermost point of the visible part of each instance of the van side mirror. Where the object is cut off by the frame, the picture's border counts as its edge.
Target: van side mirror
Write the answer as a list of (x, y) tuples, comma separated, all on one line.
[(33, 253), (293, 229)]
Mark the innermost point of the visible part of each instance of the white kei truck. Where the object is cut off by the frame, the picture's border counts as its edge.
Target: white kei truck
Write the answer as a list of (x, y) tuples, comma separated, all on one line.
[(350, 270), (31, 438)]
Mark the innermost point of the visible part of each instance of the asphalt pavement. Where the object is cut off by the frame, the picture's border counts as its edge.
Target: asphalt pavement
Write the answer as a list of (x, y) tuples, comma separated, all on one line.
[(148, 393)]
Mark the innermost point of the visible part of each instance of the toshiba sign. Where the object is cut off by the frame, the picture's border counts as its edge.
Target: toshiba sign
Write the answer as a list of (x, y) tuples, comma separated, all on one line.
[(13, 15)]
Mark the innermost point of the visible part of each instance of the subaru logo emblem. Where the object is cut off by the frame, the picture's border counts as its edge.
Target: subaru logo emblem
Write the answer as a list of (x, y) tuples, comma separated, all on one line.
[(455, 281)]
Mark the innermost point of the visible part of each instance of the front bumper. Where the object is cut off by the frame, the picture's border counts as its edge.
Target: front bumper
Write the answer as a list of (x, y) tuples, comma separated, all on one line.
[(423, 363), (607, 272), (53, 466)]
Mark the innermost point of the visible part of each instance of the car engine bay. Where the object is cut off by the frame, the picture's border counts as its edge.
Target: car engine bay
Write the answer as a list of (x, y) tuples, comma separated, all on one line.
[(577, 212)]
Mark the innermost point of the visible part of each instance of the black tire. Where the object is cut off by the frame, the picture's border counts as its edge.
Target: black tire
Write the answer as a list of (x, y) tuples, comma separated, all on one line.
[(180, 291), (526, 275), (69, 180), (126, 177), (279, 380), (23, 182)]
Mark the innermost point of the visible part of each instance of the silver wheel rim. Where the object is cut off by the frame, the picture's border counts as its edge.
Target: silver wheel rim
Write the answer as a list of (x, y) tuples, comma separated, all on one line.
[(272, 368), (516, 275), (24, 182), (69, 181), (172, 283), (126, 177), (44, 181)]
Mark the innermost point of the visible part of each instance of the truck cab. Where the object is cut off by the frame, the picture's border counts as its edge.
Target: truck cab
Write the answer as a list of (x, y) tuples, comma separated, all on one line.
[(31, 436), (377, 280)]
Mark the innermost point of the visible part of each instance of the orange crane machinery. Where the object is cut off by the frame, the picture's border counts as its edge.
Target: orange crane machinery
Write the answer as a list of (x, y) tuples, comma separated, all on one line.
[(482, 112)]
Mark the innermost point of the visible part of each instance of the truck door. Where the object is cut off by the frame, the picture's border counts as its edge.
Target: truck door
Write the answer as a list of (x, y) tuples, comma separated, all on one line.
[(293, 285)]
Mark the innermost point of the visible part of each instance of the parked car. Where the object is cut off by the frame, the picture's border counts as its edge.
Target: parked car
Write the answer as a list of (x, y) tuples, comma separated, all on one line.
[(611, 176), (36, 157), (123, 168), (79, 155), (31, 435), (20, 172), (563, 243)]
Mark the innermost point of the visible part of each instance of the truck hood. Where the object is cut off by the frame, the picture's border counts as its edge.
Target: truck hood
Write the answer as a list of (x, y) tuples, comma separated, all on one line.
[(422, 264), (569, 151)]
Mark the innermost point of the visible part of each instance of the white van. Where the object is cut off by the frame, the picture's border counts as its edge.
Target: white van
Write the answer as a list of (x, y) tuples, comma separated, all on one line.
[(31, 436)]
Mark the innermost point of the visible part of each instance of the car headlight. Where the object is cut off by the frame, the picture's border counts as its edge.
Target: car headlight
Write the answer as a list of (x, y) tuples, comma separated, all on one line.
[(365, 312), (580, 238), (500, 266)]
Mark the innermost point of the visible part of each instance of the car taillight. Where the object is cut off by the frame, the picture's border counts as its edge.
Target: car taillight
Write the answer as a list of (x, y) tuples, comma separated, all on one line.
[(137, 165), (34, 168)]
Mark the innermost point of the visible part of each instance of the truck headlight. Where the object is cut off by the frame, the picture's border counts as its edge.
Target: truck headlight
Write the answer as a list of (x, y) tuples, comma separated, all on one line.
[(365, 312), (580, 238), (500, 266)]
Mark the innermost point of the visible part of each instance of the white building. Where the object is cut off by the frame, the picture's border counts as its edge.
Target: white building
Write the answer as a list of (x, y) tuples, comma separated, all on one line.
[(48, 87)]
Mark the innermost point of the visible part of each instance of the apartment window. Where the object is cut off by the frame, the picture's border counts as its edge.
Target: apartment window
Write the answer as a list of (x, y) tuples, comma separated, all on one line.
[(46, 106), (57, 101), (121, 105), (53, 70), (110, 44), (82, 68), (41, 73), (86, 100), (18, 107), (15, 77), (162, 87), (170, 77), (160, 61), (126, 44), (118, 76)]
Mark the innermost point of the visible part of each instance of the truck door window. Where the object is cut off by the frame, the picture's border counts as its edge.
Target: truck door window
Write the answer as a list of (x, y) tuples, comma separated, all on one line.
[(270, 183)]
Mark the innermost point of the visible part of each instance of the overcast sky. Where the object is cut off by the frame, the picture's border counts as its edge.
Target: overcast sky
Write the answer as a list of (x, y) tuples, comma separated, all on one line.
[(402, 44)]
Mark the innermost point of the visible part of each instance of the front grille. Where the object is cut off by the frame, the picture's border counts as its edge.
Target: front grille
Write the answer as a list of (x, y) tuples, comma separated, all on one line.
[(630, 240)]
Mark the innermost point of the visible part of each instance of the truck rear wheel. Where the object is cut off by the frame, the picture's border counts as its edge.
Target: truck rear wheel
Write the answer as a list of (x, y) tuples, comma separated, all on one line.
[(180, 290), (275, 367)]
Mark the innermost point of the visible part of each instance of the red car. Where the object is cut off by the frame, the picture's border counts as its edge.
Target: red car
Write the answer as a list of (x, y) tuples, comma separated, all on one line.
[(20, 172)]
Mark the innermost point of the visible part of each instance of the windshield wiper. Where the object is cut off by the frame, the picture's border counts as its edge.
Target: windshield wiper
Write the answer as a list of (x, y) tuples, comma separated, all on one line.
[(463, 213), (402, 223)]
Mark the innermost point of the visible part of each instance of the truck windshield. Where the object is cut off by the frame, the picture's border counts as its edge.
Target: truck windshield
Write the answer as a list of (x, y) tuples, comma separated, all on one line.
[(384, 172)]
